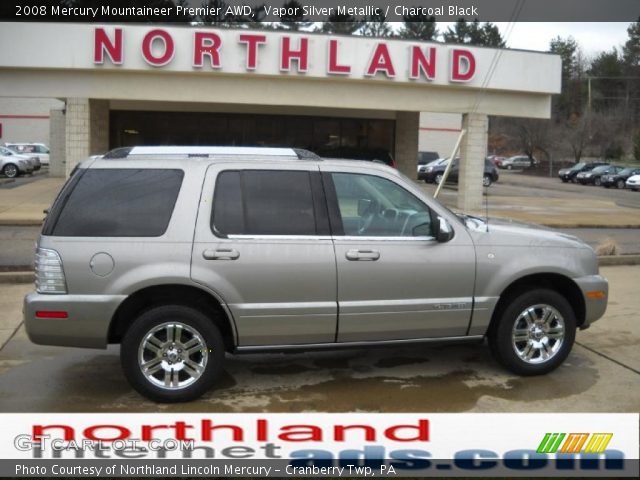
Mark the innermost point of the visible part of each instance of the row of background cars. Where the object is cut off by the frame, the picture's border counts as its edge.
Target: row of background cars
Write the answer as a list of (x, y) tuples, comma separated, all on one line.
[(602, 174), (22, 158)]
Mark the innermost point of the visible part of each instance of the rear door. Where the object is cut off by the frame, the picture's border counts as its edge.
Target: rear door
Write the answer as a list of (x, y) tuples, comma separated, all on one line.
[(262, 243)]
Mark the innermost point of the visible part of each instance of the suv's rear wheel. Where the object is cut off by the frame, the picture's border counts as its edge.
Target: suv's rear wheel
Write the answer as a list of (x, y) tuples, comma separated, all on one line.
[(534, 333), (620, 184), (486, 181), (172, 354)]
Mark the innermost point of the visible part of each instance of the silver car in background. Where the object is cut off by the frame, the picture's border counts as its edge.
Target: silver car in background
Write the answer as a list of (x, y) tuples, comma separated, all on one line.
[(12, 164), (181, 254)]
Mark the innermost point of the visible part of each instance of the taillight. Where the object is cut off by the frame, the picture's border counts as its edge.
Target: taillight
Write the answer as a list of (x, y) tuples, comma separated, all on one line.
[(49, 272)]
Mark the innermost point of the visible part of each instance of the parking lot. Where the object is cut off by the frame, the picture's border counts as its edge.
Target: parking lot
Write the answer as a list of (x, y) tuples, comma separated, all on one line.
[(598, 375), (601, 374)]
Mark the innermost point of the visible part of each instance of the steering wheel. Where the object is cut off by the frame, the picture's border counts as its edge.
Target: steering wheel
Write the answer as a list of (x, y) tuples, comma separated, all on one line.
[(367, 219)]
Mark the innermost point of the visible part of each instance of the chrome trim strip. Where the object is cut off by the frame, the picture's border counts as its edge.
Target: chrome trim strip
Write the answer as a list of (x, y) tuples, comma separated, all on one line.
[(328, 237), (339, 345)]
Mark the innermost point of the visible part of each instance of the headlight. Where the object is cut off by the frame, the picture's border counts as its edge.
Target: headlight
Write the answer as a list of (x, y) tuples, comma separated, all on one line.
[(588, 174), (428, 169)]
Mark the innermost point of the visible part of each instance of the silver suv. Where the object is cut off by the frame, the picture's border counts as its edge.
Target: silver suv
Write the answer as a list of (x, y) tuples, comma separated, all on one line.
[(181, 254)]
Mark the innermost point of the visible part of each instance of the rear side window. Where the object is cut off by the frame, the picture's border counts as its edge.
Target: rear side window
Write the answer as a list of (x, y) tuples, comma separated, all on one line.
[(116, 203), (264, 202)]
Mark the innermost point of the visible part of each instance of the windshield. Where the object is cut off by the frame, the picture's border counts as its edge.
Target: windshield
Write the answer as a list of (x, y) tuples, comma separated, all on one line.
[(601, 169), (627, 171), (578, 166), (5, 151)]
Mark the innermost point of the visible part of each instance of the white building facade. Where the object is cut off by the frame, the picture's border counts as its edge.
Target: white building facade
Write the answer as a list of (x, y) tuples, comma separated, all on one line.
[(336, 95)]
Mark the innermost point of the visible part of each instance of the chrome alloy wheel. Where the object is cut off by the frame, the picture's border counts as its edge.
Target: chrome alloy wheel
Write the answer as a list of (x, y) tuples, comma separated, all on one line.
[(173, 355), (538, 334)]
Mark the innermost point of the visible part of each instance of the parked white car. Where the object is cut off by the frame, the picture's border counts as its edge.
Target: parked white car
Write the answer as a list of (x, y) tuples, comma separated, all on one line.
[(633, 182), (39, 150), (12, 164)]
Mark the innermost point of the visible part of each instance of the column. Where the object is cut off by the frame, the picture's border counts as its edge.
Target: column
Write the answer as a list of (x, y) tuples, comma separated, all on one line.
[(57, 149), (472, 154), (406, 147), (87, 130)]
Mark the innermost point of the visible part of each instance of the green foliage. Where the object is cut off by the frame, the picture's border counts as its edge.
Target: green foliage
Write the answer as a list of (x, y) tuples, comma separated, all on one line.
[(418, 27), (341, 23), (474, 33), (376, 26)]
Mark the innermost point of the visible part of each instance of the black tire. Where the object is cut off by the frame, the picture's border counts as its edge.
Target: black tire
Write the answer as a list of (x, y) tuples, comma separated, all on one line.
[(194, 320), (597, 182), (573, 180), (438, 178), (620, 184), (606, 186), (564, 180), (487, 181), (500, 334), (10, 170)]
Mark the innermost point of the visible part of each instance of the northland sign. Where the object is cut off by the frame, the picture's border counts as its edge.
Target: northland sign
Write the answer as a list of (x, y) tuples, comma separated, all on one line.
[(274, 55), (158, 48)]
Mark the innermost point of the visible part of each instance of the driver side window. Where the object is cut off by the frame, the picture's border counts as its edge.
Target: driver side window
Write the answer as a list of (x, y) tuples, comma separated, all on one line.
[(373, 206)]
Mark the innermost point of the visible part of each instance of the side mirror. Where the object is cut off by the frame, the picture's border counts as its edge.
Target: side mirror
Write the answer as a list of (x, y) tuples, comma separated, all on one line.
[(445, 231), (363, 206)]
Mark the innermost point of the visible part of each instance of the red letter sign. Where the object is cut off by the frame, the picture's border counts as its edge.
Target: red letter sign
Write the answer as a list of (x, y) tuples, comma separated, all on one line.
[(334, 67), (252, 41), (421, 64), (102, 44), (206, 43), (463, 65), (301, 55), (147, 43), (381, 61)]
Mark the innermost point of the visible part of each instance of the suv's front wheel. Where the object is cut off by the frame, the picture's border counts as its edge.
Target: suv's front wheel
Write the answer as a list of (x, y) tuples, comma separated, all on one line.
[(534, 333), (172, 353)]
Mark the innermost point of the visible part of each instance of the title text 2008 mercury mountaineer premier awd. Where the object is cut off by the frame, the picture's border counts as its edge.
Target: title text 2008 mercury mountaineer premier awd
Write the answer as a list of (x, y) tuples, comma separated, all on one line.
[(181, 254)]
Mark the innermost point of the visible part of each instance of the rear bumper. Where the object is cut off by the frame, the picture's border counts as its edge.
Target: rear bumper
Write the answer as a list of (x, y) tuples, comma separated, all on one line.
[(595, 305), (87, 325)]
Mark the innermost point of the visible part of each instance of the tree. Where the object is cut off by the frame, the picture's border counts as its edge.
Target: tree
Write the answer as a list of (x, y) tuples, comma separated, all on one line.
[(569, 102), (294, 20), (631, 60), (631, 49), (376, 26), (474, 33), (607, 88), (418, 27), (341, 23), (636, 145)]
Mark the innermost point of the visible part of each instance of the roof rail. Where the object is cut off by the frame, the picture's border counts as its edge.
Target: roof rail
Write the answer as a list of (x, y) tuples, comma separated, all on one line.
[(206, 151)]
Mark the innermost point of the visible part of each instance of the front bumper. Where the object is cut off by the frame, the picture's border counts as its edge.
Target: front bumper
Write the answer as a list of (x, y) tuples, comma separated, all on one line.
[(595, 304), (87, 325)]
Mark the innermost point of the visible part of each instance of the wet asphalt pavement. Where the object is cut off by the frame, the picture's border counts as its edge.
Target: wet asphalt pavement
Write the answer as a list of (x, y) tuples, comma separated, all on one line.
[(601, 374)]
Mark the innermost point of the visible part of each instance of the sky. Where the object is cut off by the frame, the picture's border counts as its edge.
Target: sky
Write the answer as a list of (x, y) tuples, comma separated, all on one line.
[(593, 37)]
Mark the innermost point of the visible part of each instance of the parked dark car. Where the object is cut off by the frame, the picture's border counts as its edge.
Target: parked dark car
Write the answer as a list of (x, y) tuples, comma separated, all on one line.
[(594, 177), (436, 173), (618, 179), (569, 174), (426, 157)]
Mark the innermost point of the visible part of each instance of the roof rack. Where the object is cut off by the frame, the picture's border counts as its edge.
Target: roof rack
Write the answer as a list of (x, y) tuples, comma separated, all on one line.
[(208, 151)]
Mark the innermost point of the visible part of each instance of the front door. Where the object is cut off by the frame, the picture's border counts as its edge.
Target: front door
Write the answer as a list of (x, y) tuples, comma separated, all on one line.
[(262, 244), (395, 281)]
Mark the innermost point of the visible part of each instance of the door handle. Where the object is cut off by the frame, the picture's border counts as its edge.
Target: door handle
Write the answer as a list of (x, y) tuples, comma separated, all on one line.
[(221, 254), (366, 255)]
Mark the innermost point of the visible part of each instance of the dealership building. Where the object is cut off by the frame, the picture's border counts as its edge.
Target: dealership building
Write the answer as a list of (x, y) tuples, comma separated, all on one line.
[(126, 85)]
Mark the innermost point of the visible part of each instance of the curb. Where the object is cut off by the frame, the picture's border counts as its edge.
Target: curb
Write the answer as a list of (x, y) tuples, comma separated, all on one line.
[(17, 277), (20, 222), (614, 260), (27, 276)]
